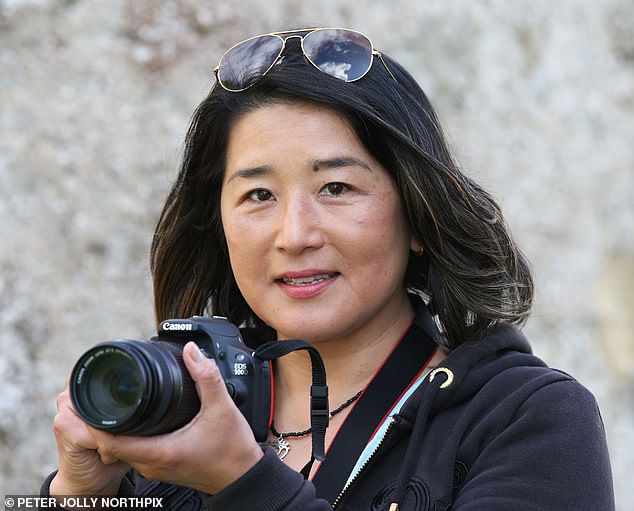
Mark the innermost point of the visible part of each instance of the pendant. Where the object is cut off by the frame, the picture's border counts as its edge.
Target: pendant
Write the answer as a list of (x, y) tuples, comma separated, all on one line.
[(282, 447)]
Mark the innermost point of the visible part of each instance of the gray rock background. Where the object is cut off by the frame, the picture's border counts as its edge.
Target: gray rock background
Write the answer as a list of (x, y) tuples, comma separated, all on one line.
[(95, 96)]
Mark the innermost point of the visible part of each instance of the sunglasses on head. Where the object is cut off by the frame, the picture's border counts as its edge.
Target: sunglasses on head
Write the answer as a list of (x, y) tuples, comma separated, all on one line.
[(339, 52)]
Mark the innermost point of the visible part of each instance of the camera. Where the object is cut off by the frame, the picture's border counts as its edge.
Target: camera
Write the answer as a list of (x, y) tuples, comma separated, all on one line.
[(142, 387)]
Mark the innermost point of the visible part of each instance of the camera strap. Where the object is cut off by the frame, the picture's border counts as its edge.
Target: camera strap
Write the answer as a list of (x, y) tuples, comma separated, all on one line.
[(398, 372), (319, 410)]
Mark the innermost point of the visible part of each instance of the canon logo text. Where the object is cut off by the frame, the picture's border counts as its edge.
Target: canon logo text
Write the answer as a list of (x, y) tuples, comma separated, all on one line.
[(176, 326)]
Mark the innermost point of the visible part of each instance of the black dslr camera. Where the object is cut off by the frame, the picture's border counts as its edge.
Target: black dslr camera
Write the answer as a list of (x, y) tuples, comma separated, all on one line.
[(137, 387)]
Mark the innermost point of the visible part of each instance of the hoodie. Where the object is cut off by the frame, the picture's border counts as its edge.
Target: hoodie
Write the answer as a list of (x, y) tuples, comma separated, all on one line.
[(493, 428)]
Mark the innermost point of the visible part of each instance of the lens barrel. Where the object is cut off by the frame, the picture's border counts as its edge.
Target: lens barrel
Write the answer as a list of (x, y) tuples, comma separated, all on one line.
[(134, 387)]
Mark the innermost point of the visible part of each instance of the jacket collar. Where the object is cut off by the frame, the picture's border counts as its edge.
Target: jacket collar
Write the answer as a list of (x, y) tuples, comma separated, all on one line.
[(473, 364)]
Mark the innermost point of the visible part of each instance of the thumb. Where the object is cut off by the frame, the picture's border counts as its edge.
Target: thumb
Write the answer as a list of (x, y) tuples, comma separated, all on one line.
[(206, 375)]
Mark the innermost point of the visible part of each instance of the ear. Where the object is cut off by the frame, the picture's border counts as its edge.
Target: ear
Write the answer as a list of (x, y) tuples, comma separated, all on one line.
[(416, 246)]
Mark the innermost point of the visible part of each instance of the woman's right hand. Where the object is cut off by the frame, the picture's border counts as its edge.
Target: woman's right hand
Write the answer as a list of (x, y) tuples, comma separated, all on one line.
[(81, 469)]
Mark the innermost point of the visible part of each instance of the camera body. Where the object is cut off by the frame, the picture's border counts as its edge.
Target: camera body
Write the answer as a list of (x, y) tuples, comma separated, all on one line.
[(136, 387)]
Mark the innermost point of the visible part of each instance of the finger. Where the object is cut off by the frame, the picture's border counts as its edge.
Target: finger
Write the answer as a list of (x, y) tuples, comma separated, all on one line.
[(68, 426), (209, 382), (104, 443), (130, 449), (62, 400), (107, 459)]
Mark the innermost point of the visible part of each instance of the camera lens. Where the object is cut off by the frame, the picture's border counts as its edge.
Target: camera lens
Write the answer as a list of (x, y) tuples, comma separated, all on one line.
[(134, 387), (116, 383), (124, 387)]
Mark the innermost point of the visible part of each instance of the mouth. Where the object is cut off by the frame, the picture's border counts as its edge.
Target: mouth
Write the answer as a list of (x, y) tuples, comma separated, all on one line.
[(308, 280), (306, 283)]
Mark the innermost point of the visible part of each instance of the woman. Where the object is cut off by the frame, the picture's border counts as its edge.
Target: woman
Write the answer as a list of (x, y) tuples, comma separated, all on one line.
[(318, 200)]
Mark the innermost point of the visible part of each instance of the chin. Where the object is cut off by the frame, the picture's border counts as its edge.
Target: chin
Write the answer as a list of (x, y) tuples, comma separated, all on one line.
[(313, 330)]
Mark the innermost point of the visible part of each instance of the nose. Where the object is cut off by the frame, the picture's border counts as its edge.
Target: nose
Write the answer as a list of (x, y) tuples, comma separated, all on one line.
[(299, 226)]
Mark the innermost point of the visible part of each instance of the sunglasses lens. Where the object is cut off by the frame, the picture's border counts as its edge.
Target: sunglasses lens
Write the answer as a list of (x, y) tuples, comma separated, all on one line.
[(344, 54), (247, 61)]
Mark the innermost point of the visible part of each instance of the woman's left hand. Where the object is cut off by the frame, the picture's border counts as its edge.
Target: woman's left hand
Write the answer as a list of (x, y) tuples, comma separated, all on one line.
[(208, 454)]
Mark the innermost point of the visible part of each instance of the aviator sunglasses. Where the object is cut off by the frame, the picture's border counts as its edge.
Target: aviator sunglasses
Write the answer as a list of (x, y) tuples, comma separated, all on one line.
[(339, 52)]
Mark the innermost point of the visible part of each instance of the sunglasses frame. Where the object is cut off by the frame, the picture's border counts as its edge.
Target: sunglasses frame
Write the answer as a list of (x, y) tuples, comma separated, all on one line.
[(289, 34)]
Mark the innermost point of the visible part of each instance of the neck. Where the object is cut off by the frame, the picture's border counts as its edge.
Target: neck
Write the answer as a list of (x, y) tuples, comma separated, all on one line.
[(350, 363)]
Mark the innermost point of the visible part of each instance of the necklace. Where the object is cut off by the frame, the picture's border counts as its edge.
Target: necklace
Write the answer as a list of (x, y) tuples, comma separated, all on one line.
[(283, 446)]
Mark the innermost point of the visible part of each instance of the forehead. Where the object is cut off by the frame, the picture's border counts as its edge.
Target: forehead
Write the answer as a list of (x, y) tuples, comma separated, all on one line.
[(282, 112), (285, 128)]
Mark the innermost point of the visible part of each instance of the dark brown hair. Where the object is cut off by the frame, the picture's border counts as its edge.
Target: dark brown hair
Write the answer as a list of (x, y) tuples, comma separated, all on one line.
[(471, 271)]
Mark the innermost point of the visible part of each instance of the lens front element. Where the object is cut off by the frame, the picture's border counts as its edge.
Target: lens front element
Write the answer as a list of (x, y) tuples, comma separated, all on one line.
[(115, 384)]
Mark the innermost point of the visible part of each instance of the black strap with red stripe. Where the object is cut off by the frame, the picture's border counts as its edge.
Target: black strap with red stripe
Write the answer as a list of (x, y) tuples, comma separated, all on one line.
[(398, 372)]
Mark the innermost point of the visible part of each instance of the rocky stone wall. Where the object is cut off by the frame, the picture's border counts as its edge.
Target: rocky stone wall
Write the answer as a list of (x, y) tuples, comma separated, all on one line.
[(95, 96)]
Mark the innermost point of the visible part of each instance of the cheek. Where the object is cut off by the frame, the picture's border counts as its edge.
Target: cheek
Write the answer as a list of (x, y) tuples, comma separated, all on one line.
[(235, 226), (232, 229), (384, 236), (247, 243), (385, 224), (241, 244), (234, 234)]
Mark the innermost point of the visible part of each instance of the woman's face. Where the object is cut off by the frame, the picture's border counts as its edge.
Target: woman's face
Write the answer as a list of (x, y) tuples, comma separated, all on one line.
[(316, 234)]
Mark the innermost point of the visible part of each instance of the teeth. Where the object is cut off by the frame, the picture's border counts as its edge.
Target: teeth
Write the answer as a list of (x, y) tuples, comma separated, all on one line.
[(304, 281)]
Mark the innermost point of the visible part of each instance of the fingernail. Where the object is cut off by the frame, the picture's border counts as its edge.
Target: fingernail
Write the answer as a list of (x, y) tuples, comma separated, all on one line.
[(195, 353)]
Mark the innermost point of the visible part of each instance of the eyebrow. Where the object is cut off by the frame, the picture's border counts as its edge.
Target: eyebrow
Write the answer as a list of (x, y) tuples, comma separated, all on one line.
[(327, 163), (333, 163), (251, 172)]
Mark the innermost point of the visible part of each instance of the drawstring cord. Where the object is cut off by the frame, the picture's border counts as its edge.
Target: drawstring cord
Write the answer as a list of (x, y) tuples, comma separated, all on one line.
[(420, 426)]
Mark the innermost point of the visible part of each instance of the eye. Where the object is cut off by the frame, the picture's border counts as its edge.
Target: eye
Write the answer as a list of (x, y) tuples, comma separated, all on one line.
[(334, 189), (259, 195)]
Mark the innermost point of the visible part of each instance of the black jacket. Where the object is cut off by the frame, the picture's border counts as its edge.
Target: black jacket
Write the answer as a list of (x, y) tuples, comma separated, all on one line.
[(507, 433)]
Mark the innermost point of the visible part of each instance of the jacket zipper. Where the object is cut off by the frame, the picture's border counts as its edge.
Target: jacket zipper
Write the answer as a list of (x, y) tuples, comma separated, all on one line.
[(365, 463)]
